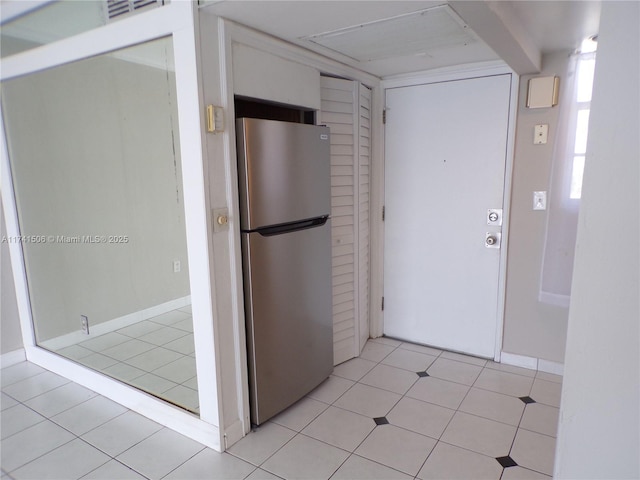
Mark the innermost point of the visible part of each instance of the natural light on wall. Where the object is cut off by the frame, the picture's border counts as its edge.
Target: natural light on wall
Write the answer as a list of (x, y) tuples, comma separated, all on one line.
[(585, 69)]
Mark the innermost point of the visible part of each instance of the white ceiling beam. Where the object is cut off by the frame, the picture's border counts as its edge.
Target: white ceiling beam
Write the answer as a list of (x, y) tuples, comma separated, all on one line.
[(497, 24)]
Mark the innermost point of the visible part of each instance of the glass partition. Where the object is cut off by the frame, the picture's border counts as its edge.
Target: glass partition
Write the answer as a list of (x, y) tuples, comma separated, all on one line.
[(95, 160)]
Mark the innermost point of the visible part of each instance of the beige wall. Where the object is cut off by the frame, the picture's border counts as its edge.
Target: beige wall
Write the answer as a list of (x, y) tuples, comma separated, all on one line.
[(599, 432), (532, 328), (10, 335), (94, 150)]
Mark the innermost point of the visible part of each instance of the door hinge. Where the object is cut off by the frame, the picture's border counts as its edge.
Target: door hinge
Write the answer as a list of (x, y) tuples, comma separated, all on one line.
[(382, 306), (384, 116), (383, 213)]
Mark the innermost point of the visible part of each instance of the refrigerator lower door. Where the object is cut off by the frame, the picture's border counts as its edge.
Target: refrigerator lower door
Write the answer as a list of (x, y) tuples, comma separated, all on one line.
[(289, 316)]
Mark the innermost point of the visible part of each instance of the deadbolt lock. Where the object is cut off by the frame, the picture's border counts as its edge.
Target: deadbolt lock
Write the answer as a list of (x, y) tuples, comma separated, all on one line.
[(494, 217)]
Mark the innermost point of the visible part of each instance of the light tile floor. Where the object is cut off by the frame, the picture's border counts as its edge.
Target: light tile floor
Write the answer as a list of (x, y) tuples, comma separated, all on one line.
[(400, 411), (154, 355)]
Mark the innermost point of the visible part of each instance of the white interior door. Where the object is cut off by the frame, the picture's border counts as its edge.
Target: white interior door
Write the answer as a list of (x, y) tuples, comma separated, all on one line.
[(445, 153)]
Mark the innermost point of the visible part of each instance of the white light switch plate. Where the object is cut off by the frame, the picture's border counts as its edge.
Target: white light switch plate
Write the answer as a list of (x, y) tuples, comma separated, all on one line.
[(539, 200)]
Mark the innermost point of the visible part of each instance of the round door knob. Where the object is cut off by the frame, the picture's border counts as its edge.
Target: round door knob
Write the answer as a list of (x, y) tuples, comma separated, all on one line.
[(222, 219), (491, 240)]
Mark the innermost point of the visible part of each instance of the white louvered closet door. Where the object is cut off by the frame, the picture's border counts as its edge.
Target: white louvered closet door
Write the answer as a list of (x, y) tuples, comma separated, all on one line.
[(346, 107)]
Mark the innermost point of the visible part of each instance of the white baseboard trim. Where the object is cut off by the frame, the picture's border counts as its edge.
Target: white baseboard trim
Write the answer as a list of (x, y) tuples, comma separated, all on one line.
[(73, 338), (554, 299), (11, 358), (532, 363)]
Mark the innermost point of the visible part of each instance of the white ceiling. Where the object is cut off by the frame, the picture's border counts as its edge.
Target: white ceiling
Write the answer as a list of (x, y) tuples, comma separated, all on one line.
[(518, 32)]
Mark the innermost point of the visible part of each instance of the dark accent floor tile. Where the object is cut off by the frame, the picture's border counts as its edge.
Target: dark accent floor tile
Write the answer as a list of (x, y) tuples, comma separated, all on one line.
[(527, 399), (422, 374), (381, 421), (507, 461)]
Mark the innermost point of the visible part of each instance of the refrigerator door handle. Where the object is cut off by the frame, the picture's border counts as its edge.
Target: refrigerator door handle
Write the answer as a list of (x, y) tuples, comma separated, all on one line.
[(290, 227)]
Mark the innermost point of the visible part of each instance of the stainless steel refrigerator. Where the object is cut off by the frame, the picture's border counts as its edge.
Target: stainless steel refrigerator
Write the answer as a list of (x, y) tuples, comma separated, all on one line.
[(285, 201)]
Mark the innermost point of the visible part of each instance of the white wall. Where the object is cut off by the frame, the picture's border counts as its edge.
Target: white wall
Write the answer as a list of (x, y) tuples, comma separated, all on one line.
[(10, 335), (599, 416)]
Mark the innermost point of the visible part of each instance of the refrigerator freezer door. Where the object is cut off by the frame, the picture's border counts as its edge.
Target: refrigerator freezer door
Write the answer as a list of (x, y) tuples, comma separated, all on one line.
[(289, 317), (283, 171)]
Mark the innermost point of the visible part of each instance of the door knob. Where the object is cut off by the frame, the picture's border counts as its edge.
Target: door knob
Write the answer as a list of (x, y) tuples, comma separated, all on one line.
[(492, 239)]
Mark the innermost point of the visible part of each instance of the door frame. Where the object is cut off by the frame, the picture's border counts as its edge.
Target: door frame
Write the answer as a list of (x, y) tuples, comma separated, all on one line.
[(447, 74)]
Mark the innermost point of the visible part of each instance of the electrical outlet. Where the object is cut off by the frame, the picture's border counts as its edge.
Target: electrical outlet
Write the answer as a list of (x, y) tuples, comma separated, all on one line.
[(176, 266), (84, 324)]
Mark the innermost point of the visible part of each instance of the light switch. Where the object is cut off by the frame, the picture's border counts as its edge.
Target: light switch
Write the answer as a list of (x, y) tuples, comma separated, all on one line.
[(539, 200), (540, 134)]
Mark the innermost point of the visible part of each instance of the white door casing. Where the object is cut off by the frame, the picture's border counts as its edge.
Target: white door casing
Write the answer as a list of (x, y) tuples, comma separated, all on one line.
[(445, 157)]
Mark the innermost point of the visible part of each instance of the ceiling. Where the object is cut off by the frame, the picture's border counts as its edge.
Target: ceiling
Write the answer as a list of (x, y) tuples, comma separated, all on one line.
[(387, 38)]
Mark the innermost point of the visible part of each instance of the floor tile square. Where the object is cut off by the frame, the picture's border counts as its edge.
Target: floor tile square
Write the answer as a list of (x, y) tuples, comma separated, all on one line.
[(184, 345), (31, 443), (89, 415), (60, 399), (340, 428), (534, 451), (163, 335), (448, 462), (211, 465), (97, 361), (541, 418), (19, 371), (397, 448), (503, 367), (441, 392), (454, 371), (504, 382), (121, 433), (353, 369), (331, 389), (481, 362), (494, 406), (261, 443), (113, 470), (139, 329), (75, 352), (390, 378), (479, 435), (408, 360), (7, 402), (305, 458), (123, 371), (183, 396), (153, 384), (102, 342), (420, 417), (519, 473), (359, 468), (171, 317), (550, 377), (179, 370), (368, 401), (153, 359), (421, 349), (546, 392), (69, 461), (33, 386), (186, 325), (376, 351), (18, 418), (300, 414), (259, 474), (126, 350), (157, 455), (192, 383)]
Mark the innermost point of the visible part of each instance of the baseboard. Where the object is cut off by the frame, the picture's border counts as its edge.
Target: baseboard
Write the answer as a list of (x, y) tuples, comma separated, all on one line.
[(11, 358), (554, 299), (532, 363), (76, 337)]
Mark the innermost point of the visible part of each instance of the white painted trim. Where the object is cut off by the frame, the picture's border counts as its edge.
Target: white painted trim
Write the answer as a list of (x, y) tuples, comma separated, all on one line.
[(532, 363), (355, 112), (554, 299), (506, 216), (446, 74), (112, 325), (161, 412), (11, 358), (177, 19)]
